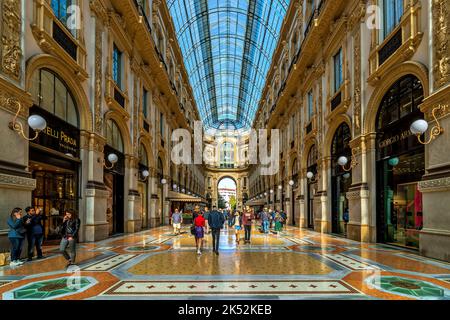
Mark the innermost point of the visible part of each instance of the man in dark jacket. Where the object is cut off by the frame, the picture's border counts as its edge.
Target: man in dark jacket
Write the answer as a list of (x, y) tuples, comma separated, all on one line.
[(35, 231), (69, 232), (216, 221)]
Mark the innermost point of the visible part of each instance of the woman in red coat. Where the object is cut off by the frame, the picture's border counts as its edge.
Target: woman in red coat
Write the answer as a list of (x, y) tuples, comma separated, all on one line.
[(199, 224)]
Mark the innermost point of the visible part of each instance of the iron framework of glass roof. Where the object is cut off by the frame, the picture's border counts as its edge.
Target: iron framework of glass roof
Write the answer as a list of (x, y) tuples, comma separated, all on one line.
[(227, 47)]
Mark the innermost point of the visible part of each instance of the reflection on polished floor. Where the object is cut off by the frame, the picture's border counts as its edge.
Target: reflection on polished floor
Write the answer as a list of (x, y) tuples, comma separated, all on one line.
[(296, 264)]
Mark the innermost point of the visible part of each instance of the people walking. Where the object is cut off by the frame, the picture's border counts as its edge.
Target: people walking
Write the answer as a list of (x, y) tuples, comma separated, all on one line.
[(247, 221), (237, 225), (265, 221), (69, 231), (35, 231), (278, 219), (283, 219), (206, 216), (230, 219), (216, 221), (199, 224), (177, 220), (16, 236)]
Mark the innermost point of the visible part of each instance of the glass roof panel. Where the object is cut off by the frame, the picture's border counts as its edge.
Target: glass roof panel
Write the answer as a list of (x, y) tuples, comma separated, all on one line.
[(227, 48)]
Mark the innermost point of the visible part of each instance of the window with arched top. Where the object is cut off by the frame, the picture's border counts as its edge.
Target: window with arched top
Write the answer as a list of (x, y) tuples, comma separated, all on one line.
[(113, 136), (143, 157), (160, 167), (294, 168), (52, 94), (227, 155), (312, 157)]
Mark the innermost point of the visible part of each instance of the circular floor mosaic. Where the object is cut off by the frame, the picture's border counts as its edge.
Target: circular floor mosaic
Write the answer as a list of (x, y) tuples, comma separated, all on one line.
[(409, 287), (49, 289), (142, 248)]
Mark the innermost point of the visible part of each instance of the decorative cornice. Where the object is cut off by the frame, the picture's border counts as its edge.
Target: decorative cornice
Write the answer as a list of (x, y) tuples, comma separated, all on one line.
[(436, 185), (17, 182)]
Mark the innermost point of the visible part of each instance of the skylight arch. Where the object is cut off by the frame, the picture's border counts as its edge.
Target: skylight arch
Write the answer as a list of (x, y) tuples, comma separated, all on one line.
[(227, 48)]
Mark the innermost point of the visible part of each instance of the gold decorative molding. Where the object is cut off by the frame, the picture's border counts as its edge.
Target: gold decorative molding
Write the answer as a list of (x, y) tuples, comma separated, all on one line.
[(42, 28), (357, 82), (98, 122), (11, 31), (411, 37), (441, 42)]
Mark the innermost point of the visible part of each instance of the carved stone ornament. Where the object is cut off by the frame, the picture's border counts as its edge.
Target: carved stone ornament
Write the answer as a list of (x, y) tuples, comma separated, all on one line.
[(357, 77), (441, 42), (435, 185), (11, 50), (98, 78), (17, 182)]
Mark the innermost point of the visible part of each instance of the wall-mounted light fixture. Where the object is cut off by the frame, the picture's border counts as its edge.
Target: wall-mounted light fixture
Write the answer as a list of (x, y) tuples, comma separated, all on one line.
[(343, 161), (419, 127), (271, 191), (311, 177), (280, 187), (291, 183), (112, 158), (145, 174), (35, 122)]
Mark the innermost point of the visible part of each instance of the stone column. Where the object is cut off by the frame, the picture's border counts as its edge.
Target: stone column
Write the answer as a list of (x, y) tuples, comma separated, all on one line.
[(133, 220), (95, 225), (153, 213), (361, 227), (322, 216)]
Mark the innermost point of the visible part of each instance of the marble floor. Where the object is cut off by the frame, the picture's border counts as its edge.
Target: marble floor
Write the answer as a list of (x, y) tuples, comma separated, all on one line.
[(296, 264)]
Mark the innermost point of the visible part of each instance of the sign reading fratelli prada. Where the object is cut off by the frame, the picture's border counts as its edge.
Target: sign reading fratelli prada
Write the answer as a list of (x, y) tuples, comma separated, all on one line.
[(59, 135)]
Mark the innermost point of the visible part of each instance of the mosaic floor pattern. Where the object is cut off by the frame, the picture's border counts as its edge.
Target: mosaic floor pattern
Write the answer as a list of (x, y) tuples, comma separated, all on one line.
[(296, 264)]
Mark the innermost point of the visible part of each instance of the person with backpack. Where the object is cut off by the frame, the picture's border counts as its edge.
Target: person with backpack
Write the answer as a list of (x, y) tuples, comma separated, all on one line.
[(16, 236), (216, 221)]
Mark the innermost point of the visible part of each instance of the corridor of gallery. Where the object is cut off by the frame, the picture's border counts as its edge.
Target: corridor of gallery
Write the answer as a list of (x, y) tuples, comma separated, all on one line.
[(296, 264)]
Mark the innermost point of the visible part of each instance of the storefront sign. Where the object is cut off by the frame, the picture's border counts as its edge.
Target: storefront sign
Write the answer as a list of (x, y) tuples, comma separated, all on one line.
[(394, 139), (59, 135)]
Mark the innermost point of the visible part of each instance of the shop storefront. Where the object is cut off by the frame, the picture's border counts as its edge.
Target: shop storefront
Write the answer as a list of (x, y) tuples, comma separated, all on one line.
[(311, 186), (340, 179), (54, 157), (400, 165), (113, 178)]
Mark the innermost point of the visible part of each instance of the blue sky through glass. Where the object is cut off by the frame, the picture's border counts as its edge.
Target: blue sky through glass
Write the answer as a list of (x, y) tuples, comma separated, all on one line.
[(227, 47)]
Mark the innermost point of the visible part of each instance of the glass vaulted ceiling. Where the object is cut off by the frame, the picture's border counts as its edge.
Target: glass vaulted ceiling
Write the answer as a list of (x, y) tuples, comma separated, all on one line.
[(227, 47)]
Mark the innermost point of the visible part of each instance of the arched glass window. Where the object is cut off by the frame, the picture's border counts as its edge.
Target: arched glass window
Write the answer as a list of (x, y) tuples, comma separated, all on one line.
[(143, 157), (402, 100), (294, 168), (113, 136), (50, 93), (227, 155), (341, 146), (312, 157), (160, 168)]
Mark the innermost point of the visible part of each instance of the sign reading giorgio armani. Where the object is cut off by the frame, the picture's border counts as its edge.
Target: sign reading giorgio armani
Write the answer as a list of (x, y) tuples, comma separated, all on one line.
[(59, 135), (395, 138)]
